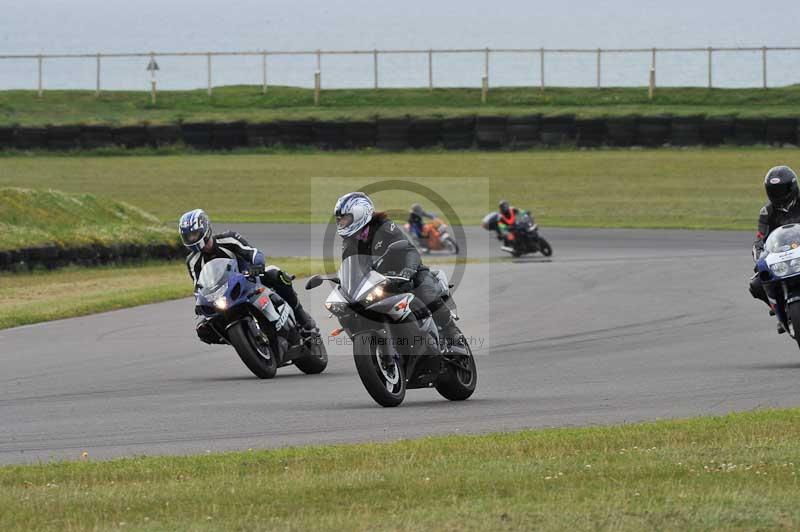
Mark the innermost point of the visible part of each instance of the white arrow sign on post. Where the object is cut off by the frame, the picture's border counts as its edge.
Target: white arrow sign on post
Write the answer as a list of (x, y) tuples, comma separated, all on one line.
[(152, 66)]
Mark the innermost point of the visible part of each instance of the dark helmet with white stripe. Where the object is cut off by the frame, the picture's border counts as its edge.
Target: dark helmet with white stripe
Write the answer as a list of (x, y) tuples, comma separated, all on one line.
[(195, 229), (781, 185)]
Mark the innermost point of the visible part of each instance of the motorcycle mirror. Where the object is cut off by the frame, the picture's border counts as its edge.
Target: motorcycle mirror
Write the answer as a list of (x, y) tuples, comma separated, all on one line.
[(313, 282)]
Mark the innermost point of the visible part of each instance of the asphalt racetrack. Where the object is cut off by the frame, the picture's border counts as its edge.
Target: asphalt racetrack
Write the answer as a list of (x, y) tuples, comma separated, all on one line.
[(620, 326)]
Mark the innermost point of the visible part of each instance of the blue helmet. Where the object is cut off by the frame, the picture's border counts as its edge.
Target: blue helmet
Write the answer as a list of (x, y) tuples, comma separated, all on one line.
[(195, 228), (353, 211)]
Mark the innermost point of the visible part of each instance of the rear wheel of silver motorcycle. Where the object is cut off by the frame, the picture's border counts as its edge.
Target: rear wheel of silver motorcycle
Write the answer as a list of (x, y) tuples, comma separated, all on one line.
[(461, 377), (794, 321), (380, 370), (316, 358), (254, 352)]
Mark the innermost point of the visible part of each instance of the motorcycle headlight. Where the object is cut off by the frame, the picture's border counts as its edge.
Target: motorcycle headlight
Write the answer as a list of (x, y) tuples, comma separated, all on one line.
[(374, 295), (336, 307), (780, 268), (221, 303)]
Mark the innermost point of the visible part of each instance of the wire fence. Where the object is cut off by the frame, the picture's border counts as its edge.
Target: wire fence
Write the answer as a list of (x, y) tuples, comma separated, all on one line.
[(541, 61)]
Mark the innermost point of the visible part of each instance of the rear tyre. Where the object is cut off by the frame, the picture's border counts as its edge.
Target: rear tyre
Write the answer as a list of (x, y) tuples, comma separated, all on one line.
[(460, 379), (380, 370), (316, 358), (794, 321), (255, 353), (544, 247)]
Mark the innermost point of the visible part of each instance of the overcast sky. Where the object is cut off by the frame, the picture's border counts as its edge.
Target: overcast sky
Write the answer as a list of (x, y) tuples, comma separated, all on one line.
[(199, 25)]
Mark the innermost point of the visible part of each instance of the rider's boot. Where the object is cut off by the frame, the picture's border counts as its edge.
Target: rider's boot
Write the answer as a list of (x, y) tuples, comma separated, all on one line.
[(307, 324), (781, 330), (444, 321)]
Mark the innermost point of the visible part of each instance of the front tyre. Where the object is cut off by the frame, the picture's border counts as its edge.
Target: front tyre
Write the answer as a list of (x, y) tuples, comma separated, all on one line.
[(544, 247), (316, 358), (460, 377), (254, 352), (793, 311), (380, 370)]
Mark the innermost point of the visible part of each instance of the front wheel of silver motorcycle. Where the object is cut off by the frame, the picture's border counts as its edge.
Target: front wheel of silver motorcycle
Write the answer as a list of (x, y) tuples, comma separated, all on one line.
[(380, 369)]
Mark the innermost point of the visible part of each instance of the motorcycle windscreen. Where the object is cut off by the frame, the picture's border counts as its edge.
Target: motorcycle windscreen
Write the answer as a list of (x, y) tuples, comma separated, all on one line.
[(214, 276), (354, 275), (784, 238)]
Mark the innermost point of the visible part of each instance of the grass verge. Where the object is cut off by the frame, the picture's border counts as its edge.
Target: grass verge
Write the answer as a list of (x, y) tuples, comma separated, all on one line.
[(691, 188), (731, 472), (248, 103), (31, 218)]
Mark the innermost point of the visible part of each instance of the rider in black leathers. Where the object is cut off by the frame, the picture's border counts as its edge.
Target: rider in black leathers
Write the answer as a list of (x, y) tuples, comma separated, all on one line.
[(782, 208), (204, 246), (375, 232)]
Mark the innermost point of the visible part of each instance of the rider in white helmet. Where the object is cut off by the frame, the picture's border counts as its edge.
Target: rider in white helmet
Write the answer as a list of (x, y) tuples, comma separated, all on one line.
[(366, 232)]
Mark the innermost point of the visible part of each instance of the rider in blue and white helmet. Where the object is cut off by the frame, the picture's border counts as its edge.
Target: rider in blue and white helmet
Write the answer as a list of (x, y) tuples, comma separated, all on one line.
[(197, 236), (367, 232), (353, 212)]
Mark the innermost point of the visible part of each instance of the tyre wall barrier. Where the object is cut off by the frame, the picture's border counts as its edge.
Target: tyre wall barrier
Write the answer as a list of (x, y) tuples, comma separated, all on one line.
[(31, 138), (163, 135), (458, 133), (93, 137), (717, 130), (53, 257), (425, 133), (749, 131), (524, 131), (393, 133), (130, 136), (197, 135), (330, 135), (558, 130), (621, 131), (228, 135), (359, 135), (63, 137), (485, 132), (686, 131), (7, 140), (295, 133), (590, 132), (781, 131), (261, 134), (491, 132), (653, 131)]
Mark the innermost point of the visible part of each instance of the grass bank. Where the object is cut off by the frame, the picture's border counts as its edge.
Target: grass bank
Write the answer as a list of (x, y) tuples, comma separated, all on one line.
[(30, 218), (677, 188), (732, 472), (248, 103)]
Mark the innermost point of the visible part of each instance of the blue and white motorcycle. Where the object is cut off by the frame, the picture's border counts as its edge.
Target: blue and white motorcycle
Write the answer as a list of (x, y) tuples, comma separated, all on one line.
[(778, 267), (255, 320)]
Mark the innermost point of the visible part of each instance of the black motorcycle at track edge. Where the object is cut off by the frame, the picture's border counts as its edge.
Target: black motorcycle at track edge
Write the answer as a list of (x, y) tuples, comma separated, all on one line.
[(524, 238)]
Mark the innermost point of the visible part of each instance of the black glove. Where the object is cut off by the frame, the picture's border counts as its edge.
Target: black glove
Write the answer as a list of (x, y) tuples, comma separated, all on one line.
[(407, 273), (757, 249), (255, 270)]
